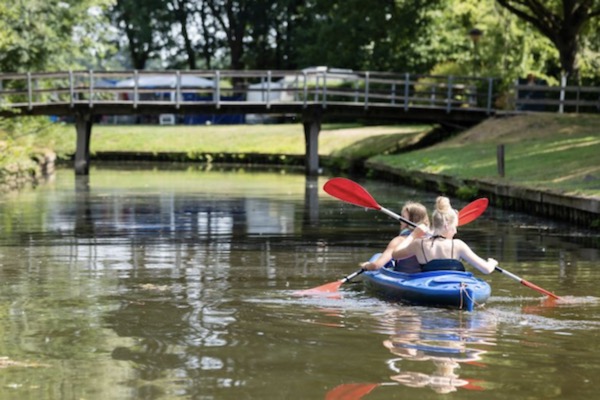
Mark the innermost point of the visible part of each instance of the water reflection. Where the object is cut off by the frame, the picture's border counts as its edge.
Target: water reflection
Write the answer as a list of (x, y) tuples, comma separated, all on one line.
[(311, 201), (429, 348), (445, 341)]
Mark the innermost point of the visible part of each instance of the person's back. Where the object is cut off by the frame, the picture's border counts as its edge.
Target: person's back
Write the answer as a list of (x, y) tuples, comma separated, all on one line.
[(438, 254)]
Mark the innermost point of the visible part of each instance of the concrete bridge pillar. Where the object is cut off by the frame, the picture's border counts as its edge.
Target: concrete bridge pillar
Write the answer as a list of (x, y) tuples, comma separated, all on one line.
[(312, 127), (83, 124)]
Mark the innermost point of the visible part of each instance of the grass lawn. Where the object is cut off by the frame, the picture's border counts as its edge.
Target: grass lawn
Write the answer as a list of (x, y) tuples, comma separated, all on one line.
[(268, 139), (544, 151)]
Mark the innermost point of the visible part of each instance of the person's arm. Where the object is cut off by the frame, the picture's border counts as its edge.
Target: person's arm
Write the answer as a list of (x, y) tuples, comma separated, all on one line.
[(385, 257), (406, 248), (465, 252)]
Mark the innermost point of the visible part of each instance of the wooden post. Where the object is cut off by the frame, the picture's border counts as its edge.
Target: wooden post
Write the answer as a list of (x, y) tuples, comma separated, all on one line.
[(312, 127), (500, 159), (83, 124)]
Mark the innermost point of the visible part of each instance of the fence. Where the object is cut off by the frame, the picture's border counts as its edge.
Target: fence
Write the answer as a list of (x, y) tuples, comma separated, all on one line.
[(318, 86), (322, 86)]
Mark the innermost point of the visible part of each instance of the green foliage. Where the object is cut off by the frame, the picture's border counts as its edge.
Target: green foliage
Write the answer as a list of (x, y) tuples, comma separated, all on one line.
[(467, 192), (562, 22), (507, 48), (21, 138), (415, 36), (376, 35), (38, 35), (145, 25)]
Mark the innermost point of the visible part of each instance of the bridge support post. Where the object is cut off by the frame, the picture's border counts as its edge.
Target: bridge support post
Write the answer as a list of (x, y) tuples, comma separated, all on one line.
[(312, 127), (83, 125)]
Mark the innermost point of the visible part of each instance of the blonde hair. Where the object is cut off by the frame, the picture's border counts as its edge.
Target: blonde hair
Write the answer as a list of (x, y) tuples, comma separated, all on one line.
[(444, 215), (416, 212)]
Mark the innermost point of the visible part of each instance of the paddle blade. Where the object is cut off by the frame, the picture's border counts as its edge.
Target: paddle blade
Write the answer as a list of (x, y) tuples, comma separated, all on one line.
[(471, 385), (472, 211), (350, 391), (350, 192), (326, 288), (539, 289)]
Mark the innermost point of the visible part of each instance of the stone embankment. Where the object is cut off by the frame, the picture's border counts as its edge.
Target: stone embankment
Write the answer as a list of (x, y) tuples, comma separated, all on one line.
[(39, 167)]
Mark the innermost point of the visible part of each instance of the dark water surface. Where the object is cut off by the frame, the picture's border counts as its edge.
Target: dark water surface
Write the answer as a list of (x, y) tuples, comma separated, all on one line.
[(156, 283)]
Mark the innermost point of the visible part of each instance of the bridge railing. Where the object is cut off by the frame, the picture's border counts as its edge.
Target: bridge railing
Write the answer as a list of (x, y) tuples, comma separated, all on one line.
[(563, 98), (321, 85), (312, 86)]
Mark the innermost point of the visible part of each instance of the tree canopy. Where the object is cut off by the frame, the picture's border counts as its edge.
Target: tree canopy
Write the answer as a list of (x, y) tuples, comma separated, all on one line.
[(561, 21), (416, 36), (52, 34)]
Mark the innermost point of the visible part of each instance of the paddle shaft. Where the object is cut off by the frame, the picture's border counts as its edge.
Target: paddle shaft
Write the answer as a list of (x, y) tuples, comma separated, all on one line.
[(397, 217), (353, 275), (526, 283)]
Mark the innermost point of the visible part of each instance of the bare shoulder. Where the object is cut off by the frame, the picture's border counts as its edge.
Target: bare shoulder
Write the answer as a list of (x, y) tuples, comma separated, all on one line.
[(460, 244), (397, 240)]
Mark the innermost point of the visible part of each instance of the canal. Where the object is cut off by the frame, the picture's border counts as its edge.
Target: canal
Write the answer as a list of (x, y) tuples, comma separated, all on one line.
[(169, 282)]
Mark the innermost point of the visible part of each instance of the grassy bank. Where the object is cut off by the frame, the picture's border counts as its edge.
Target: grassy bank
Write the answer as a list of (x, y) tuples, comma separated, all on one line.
[(268, 139), (542, 151)]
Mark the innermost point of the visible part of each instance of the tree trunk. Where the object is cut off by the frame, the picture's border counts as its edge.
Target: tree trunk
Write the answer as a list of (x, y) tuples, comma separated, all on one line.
[(561, 22), (182, 18)]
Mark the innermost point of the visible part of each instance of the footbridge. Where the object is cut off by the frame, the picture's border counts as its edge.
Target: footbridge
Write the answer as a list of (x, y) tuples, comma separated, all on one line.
[(309, 95)]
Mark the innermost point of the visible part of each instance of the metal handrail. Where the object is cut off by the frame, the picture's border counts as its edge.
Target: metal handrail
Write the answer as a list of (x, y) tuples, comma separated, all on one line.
[(320, 86), (91, 87)]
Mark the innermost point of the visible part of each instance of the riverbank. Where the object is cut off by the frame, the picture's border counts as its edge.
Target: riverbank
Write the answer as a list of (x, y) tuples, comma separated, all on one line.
[(551, 163), (30, 169)]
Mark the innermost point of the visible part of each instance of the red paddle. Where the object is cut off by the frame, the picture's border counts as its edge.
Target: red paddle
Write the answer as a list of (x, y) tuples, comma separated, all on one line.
[(472, 211), (350, 391), (330, 287), (351, 192), (356, 391), (527, 283)]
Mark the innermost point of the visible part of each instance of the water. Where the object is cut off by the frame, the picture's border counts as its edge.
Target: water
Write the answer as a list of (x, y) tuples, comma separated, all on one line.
[(178, 282)]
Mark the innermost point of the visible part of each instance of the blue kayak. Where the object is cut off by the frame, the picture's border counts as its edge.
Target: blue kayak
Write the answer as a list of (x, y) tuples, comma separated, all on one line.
[(455, 289)]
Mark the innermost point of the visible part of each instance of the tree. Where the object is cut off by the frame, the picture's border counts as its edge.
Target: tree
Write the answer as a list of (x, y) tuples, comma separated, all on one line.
[(182, 10), (38, 35), (561, 21), (382, 35), (271, 33), (232, 17), (145, 25)]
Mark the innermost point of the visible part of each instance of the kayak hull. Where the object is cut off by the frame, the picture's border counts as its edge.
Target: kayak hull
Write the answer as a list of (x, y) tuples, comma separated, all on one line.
[(453, 289)]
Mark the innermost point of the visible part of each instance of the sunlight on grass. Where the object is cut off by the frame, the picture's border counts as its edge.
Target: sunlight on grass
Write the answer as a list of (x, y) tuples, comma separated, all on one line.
[(539, 156), (543, 150), (265, 139)]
